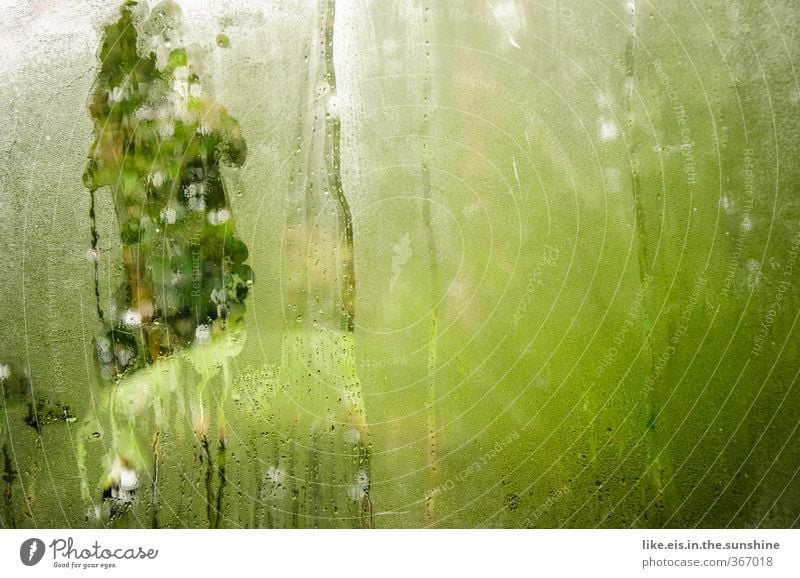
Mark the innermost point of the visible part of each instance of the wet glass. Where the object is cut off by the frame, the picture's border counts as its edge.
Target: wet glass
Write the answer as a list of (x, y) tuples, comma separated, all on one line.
[(398, 264)]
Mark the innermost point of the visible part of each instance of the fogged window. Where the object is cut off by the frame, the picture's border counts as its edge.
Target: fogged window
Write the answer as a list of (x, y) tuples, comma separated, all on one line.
[(398, 264)]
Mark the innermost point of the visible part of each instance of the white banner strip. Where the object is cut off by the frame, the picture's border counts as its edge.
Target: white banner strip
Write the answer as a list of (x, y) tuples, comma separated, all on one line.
[(408, 553)]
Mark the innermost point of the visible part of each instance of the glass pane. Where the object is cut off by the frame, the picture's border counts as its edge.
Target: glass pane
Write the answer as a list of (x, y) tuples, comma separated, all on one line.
[(398, 264)]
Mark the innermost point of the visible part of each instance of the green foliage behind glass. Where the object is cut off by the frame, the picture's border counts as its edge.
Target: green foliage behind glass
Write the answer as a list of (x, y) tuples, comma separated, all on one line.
[(160, 144)]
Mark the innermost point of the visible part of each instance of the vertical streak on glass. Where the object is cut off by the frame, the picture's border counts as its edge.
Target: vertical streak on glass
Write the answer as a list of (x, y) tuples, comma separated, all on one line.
[(325, 231), (654, 455), (94, 251), (347, 283), (323, 478), (154, 483), (434, 267)]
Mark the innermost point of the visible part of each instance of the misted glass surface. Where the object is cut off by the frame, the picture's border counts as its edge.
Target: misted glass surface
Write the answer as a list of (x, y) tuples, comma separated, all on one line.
[(365, 264)]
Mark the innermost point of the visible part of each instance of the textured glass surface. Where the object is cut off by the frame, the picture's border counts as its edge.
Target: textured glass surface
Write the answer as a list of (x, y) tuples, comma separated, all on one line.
[(505, 263)]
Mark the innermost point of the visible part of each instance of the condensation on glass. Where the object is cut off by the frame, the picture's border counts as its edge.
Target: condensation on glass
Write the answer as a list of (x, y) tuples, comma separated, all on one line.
[(398, 264)]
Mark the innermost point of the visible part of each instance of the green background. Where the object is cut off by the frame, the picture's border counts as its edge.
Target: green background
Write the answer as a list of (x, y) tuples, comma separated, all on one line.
[(576, 228)]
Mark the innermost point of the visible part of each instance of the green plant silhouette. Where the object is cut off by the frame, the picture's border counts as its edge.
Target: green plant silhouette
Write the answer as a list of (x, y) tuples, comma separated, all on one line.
[(160, 143)]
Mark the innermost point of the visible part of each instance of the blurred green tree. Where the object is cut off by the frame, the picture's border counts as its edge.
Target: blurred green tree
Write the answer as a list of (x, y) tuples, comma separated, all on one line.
[(160, 142)]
